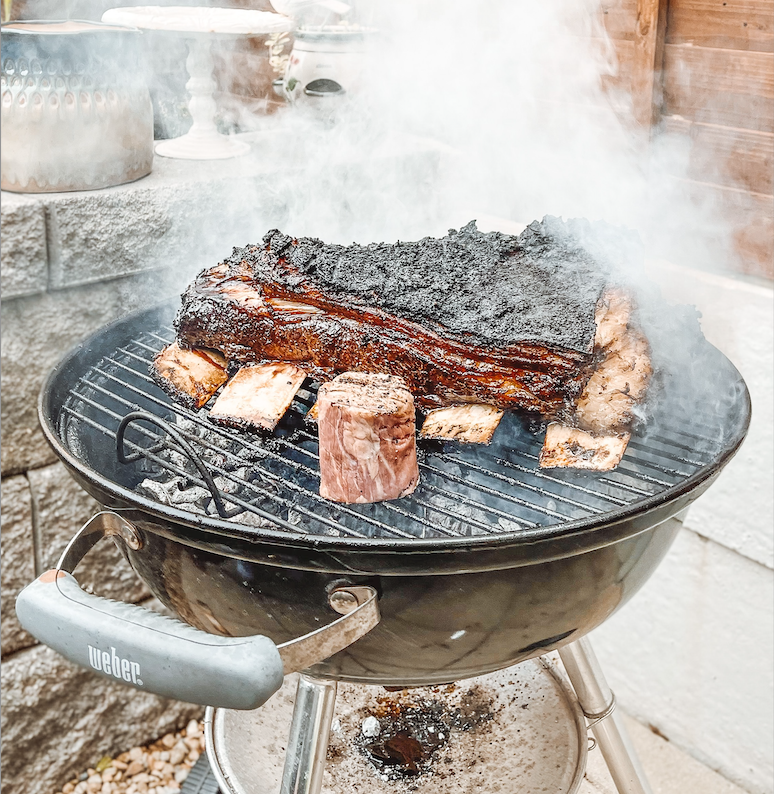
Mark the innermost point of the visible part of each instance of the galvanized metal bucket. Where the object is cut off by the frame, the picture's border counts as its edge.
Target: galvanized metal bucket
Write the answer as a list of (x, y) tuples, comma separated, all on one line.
[(76, 111)]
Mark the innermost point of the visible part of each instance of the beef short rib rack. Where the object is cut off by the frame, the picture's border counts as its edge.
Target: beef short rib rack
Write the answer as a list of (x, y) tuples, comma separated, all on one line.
[(470, 317)]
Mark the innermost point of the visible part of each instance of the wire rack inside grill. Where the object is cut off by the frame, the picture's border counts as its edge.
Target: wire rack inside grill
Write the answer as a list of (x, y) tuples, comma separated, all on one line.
[(464, 490)]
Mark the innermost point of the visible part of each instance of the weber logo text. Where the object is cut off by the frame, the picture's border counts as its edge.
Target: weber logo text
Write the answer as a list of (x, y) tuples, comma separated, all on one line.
[(112, 664)]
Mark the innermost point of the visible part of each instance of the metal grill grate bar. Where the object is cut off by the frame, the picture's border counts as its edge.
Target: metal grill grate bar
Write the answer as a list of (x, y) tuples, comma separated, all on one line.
[(478, 486), (229, 475), (171, 467), (387, 505)]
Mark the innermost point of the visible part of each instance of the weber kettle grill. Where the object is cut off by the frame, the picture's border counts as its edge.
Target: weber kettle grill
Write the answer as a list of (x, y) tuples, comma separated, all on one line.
[(491, 562)]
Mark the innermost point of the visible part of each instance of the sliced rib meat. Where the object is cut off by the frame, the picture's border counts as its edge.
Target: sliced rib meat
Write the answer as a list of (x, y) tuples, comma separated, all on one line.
[(189, 376), (597, 433), (470, 424), (257, 396), (367, 438), (570, 447)]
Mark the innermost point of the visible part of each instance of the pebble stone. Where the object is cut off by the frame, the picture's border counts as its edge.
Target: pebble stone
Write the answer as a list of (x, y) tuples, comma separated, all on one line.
[(157, 768), (371, 727)]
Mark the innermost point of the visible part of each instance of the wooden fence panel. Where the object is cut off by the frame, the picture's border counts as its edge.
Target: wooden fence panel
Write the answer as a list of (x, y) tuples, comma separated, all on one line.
[(727, 156), (733, 24), (748, 216), (647, 62), (619, 18), (734, 88)]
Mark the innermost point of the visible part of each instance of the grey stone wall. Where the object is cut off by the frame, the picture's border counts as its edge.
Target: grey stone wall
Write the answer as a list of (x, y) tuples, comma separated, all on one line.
[(72, 262), (18, 564), (58, 719)]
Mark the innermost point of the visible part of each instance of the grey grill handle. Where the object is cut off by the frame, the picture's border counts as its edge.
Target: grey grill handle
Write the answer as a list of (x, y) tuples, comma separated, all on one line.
[(140, 648)]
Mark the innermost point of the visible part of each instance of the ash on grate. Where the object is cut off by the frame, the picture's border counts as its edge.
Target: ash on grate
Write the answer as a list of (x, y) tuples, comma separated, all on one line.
[(234, 459), (403, 733)]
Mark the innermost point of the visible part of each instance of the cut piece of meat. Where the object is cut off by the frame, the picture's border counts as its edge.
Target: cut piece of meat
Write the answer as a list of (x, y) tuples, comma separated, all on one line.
[(367, 438), (605, 409), (569, 447), (471, 317), (472, 424), (189, 376), (620, 380), (257, 396)]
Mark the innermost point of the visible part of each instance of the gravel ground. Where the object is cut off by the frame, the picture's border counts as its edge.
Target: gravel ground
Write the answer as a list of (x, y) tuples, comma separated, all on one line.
[(157, 768)]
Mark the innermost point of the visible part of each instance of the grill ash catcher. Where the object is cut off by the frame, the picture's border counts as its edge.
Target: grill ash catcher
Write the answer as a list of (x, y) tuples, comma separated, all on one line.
[(489, 563)]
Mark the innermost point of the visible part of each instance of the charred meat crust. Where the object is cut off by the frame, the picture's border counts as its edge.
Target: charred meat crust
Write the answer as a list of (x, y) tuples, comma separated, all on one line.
[(489, 290), (285, 300)]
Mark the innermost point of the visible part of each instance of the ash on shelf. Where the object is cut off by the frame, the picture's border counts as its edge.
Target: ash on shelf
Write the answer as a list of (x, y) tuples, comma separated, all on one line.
[(404, 732)]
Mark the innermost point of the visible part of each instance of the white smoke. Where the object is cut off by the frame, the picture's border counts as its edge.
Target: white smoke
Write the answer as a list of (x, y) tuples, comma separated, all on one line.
[(491, 109)]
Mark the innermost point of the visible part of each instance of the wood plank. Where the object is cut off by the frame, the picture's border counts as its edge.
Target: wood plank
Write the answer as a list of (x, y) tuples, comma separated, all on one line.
[(619, 18), (727, 156), (728, 24), (622, 79), (616, 18), (646, 85), (743, 219), (717, 86)]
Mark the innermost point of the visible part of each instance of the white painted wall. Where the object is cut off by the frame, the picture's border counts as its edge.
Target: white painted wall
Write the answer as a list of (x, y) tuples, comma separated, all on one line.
[(693, 653)]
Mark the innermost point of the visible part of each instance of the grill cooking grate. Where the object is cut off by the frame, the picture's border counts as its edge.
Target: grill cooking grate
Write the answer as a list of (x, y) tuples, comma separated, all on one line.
[(465, 490)]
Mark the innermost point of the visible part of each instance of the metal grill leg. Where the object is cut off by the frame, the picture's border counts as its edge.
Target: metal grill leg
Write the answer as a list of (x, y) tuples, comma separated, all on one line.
[(309, 734), (598, 704)]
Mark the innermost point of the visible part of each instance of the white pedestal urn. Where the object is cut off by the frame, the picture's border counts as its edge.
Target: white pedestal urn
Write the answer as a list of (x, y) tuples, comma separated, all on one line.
[(199, 26)]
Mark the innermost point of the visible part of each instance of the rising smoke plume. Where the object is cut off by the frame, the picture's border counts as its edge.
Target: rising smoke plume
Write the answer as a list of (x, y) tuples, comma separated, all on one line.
[(515, 98)]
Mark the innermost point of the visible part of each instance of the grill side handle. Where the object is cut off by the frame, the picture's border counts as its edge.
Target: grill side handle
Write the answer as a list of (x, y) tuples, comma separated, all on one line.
[(140, 648)]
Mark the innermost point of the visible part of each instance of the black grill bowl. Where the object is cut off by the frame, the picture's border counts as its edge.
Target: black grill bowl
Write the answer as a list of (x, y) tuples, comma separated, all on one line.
[(492, 561)]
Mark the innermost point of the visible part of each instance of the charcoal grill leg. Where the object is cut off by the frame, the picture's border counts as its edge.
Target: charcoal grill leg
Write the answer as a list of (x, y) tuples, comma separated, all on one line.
[(309, 734), (598, 704)]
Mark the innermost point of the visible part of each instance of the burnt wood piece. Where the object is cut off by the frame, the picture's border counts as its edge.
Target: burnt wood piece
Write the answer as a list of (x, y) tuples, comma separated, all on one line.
[(471, 317), (367, 438)]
